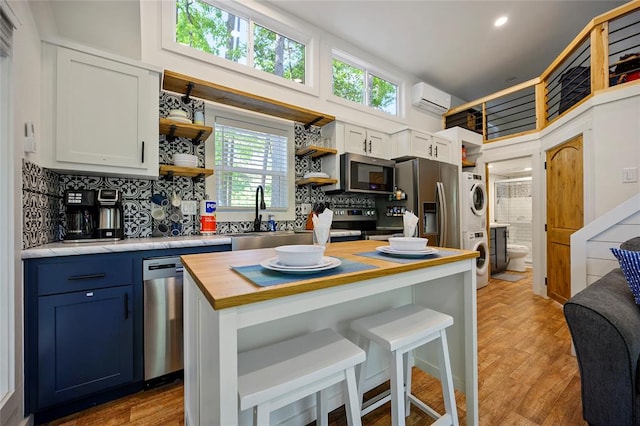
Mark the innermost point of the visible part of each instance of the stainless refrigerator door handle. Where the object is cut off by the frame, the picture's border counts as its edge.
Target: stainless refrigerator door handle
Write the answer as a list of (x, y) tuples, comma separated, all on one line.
[(442, 213)]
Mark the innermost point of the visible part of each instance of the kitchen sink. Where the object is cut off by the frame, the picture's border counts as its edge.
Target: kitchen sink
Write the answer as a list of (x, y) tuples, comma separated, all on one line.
[(257, 240)]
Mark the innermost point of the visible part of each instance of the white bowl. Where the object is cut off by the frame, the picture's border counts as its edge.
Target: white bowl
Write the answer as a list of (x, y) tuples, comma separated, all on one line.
[(177, 113), (408, 243), (185, 160), (299, 255)]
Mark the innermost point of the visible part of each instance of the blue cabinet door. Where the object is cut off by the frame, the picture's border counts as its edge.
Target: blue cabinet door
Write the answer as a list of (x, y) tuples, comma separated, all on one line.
[(85, 343)]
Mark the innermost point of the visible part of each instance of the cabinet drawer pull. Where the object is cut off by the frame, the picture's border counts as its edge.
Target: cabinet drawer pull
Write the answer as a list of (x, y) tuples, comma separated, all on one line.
[(126, 306), (86, 277)]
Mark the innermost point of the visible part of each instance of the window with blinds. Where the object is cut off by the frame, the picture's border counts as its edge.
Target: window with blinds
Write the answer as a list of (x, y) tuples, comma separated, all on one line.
[(6, 31), (247, 155)]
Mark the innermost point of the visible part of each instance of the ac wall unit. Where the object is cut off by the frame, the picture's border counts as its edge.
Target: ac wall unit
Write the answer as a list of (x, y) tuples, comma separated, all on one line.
[(430, 99)]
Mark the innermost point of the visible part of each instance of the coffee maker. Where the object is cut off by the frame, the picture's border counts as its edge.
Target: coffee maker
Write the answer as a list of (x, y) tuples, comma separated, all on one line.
[(82, 214), (110, 223)]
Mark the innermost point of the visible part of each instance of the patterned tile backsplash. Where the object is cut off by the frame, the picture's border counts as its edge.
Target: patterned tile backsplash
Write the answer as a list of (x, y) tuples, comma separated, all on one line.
[(43, 190)]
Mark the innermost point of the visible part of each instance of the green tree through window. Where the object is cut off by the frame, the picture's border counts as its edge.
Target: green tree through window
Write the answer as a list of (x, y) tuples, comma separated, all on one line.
[(277, 54), (349, 83), (213, 30)]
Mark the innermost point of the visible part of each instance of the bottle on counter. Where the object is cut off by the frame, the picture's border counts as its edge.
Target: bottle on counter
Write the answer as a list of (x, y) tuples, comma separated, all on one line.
[(271, 225), (208, 222)]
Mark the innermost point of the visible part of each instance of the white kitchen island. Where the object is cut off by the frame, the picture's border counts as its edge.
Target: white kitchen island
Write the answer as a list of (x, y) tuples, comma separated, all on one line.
[(226, 313)]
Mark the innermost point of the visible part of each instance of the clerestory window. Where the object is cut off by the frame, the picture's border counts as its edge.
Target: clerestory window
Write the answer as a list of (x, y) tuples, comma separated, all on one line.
[(357, 83), (204, 26)]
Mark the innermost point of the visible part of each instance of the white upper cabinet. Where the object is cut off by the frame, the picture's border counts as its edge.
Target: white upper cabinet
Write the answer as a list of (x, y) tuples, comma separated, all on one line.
[(411, 144), (359, 140), (105, 115), (442, 150)]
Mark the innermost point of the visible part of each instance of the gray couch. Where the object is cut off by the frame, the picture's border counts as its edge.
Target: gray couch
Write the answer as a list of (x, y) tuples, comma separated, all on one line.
[(604, 322)]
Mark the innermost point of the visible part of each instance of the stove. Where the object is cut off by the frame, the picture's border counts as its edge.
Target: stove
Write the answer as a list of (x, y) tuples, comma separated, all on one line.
[(363, 220)]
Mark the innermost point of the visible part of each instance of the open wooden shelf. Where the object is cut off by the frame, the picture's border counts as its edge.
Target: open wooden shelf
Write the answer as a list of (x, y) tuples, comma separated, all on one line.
[(467, 163), (315, 151), (316, 181), (190, 86), (195, 132), (193, 172)]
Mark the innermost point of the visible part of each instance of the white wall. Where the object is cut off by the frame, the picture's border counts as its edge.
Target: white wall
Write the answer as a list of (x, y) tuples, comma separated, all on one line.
[(152, 53), (616, 145), (611, 141), (26, 107)]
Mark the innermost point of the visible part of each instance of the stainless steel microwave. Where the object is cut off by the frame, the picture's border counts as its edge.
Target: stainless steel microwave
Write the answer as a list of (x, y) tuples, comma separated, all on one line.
[(359, 173)]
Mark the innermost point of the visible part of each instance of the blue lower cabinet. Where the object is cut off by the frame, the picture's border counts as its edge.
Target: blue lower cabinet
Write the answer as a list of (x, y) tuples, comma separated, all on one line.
[(85, 343), (84, 329), (83, 332)]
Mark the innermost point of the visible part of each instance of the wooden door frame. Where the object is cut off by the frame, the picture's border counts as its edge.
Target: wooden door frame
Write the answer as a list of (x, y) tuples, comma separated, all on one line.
[(529, 147)]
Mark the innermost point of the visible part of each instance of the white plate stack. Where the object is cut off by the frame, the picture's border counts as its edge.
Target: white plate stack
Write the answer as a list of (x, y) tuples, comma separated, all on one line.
[(325, 263), (185, 160), (178, 115), (407, 247), (315, 175)]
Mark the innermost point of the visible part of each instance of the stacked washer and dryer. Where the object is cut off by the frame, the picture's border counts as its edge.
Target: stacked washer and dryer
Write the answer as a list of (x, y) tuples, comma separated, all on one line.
[(473, 205)]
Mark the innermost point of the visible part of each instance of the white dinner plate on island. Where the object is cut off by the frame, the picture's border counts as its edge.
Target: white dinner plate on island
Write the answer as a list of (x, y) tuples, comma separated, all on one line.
[(427, 251), (325, 264)]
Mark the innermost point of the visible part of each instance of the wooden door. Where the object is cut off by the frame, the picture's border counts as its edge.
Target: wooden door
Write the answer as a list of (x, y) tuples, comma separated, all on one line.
[(564, 213)]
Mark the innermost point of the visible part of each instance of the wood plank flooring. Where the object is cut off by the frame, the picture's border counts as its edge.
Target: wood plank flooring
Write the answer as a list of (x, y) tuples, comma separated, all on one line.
[(527, 375)]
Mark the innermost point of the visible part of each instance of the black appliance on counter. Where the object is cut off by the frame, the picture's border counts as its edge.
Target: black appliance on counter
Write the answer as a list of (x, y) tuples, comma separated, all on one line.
[(93, 215), (110, 223), (81, 213)]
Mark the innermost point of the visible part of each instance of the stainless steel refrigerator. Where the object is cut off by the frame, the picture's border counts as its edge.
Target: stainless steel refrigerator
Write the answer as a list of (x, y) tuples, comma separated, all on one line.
[(432, 195)]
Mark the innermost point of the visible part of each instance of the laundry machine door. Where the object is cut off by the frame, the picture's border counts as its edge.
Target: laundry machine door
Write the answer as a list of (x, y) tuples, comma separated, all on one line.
[(482, 262), (478, 199)]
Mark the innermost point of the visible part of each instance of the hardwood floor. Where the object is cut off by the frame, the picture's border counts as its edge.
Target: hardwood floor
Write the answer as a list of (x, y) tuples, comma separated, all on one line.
[(527, 375)]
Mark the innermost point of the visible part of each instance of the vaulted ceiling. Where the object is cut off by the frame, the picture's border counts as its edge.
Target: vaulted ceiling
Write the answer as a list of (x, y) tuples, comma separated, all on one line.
[(449, 44), (452, 44)]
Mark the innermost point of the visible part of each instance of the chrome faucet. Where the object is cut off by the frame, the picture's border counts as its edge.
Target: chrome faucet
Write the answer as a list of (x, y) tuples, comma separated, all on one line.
[(263, 206)]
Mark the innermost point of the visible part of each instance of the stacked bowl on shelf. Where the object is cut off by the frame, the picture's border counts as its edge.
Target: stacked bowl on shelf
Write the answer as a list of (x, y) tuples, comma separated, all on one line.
[(179, 115), (185, 160)]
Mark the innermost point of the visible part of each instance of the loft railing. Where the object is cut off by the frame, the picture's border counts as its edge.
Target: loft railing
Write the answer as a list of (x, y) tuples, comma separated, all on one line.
[(605, 54)]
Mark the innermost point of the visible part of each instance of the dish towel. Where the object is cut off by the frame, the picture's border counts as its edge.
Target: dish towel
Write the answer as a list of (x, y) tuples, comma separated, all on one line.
[(322, 226), (410, 221)]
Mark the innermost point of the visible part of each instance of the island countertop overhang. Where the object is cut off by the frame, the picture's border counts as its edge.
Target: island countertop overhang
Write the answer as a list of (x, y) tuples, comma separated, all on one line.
[(224, 288)]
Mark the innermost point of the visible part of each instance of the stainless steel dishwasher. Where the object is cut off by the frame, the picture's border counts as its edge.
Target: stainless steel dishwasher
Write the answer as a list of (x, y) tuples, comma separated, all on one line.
[(163, 351)]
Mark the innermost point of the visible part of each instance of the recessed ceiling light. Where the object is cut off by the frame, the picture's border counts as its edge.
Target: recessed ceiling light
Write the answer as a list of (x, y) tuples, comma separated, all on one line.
[(500, 21)]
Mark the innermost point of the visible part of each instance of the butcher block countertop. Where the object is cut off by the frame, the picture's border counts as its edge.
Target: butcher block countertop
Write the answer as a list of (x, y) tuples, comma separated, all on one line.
[(225, 288)]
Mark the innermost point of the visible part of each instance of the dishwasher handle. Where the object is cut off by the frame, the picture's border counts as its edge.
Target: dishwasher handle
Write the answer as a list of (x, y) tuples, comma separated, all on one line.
[(153, 268)]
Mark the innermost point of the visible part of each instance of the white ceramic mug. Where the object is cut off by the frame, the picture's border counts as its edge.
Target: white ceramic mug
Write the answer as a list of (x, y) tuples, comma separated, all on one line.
[(175, 199), (157, 212)]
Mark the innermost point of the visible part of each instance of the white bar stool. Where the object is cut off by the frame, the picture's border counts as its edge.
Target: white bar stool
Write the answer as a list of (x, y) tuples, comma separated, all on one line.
[(273, 376), (399, 331)]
